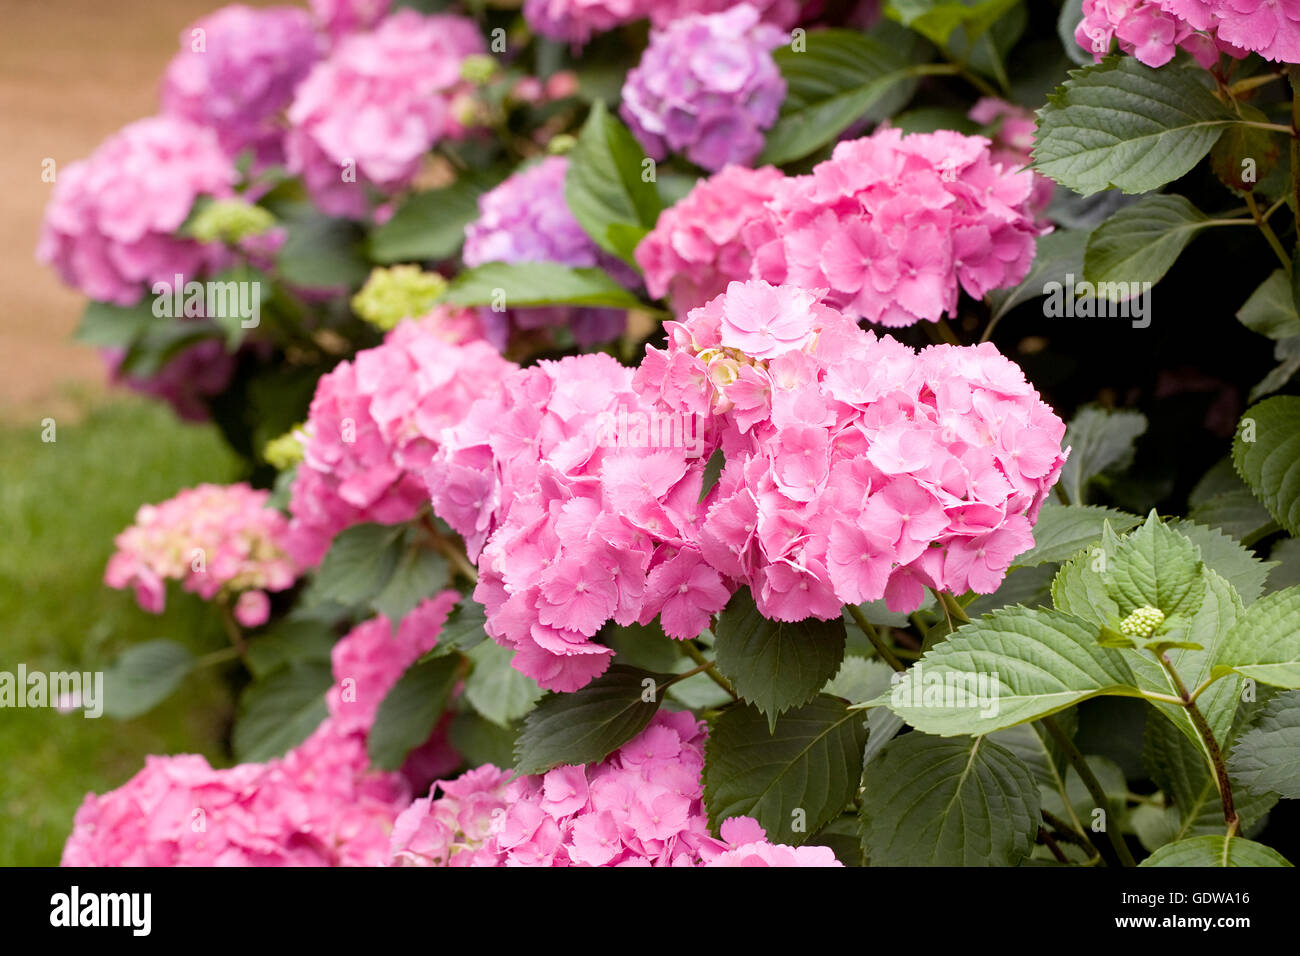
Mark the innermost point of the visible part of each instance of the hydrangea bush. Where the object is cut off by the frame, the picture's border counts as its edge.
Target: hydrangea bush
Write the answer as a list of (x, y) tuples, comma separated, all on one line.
[(665, 445)]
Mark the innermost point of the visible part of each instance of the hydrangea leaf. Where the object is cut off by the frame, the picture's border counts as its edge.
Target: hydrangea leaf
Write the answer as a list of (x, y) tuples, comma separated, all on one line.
[(143, 676), (776, 665), (793, 780), (930, 801), (1139, 244), (495, 689), (1100, 440), (526, 284), (1266, 453), (1011, 666), (1215, 851), (1120, 123), (1063, 531), (1267, 757), (280, 712), (410, 710), (586, 725), (1264, 643)]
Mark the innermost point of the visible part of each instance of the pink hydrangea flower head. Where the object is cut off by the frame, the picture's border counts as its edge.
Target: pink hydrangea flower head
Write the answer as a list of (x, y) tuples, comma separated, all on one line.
[(214, 539), (341, 17), (640, 806), (527, 219), (894, 225), (375, 423), (579, 503), (576, 21), (707, 87), (111, 223), (236, 73), (1154, 30), (855, 468), (1270, 28), (697, 247), (1011, 129), (365, 117)]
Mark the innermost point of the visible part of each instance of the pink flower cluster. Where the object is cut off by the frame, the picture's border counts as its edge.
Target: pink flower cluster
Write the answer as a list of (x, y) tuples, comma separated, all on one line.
[(110, 227), (1011, 130), (237, 71), (1270, 28), (640, 806), (374, 424), (891, 225), (697, 247), (578, 20), (340, 17), (1143, 28), (527, 219), (319, 805), (708, 87), (212, 538), (855, 468), (574, 519), (367, 115)]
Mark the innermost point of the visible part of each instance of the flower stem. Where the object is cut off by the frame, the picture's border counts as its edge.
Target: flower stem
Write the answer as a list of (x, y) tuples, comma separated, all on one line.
[(707, 667), (1212, 751), (1092, 784), (869, 629)]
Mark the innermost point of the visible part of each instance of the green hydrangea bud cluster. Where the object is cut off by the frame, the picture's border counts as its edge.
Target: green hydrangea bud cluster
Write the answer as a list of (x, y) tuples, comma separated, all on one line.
[(230, 221), (1143, 622), (396, 293), (478, 69), (284, 452)]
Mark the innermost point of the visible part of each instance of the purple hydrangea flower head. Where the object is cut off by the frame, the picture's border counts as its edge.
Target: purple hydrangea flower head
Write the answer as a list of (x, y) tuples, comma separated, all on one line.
[(707, 86), (338, 18), (526, 219), (236, 72)]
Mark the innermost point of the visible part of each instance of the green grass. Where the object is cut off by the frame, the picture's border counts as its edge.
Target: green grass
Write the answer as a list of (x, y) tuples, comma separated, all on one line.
[(61, 504)]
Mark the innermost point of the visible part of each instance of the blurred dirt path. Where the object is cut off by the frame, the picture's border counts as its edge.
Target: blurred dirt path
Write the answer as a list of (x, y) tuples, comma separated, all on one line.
[(71, 72)]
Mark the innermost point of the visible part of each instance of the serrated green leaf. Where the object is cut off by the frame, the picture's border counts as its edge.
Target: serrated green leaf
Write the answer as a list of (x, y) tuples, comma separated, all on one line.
[(929, 801), (776, 665), (280, 712), (1121, 123), (839, 77), (810, 763), (1011, 666), (1264, 643), (320, 252), (586, 725), (859, 680), (359, 564), (605, 188), (464, 627), (143, 676), (1238, 565), (431, 224), (1270, 310), (1267, 757), (527, 284), (411, 709), (1063, 531), (287, 641), (495, 689), (1266, 454), (1100, 441), (1215, 851), (480, 741), (1155, 566), (420, 573), (1139, 243)]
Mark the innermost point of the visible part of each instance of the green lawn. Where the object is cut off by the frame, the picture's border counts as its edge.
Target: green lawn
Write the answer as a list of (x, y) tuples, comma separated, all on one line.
[(60, 506)]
